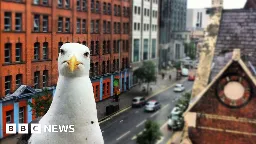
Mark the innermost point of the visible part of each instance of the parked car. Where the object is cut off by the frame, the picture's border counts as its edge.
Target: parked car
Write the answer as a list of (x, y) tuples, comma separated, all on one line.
[(175, 120), (152, 105), (179, 88), (138, 102)]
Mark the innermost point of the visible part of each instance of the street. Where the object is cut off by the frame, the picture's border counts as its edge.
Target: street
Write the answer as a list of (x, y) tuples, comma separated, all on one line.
[(124, 127)]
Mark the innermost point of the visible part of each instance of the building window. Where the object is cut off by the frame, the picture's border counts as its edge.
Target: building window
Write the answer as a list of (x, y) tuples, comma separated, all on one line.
[(109, 27), (114, 46), (153, 48), (104, 26), (109, 8), (60, 24), (36, 2), (36, 79), (145, 52), (92, 26), (45, 2), (45, 23), (103, 67), (108, 47), (119, 10), (36, 50), (18, 21), (84, 43), (138, 26), (139, 10), (92, 5), (67, 25), (84, 5), (45, 78), (97, 47), (136, 50), (78, 25), (115, 10), (8, 80), (104, 47), (97, 91), (36, 23), (67, 3), (103, 89), (59, 46), (97, 24), (177, 51), (135, 26), (18, 80), (96, 69), (127, 46), (119, 28), (60, 3), (84, 26), (9, 115), (7, 52), (45, 50), (7, 21), (91, 69), (97, 7), (115, 27), (18, 52), (105, 8), (78, 6), (21, 114), (92, 48)]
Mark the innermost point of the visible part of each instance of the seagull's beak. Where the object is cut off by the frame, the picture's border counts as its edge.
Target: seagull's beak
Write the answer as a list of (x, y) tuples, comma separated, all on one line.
[(73, 63)]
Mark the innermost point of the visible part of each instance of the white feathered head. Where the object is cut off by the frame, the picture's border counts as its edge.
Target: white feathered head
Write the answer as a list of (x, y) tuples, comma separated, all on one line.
[(74, 60)]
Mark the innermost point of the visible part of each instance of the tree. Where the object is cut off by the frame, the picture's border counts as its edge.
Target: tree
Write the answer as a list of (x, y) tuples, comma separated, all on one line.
[(146, 73), (190, 50), (150, 135), (42, 103)]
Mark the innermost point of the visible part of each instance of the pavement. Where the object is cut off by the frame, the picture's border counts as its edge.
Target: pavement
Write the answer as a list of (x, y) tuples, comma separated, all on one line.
[(125, 103), (125, 127)]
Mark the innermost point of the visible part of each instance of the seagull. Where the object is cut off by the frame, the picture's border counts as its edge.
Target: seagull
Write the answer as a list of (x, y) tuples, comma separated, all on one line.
[(73, 102)]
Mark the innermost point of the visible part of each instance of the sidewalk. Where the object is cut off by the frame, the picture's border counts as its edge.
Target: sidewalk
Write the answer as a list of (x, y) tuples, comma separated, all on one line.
[(125, 98), (124, 102)]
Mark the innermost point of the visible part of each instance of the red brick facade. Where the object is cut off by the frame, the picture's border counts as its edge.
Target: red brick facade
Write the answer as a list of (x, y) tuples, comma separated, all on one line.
[(217, 123), (101, 40)]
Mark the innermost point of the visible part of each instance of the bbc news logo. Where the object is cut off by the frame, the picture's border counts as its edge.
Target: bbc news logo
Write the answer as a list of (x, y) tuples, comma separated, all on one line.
[(38, 128)]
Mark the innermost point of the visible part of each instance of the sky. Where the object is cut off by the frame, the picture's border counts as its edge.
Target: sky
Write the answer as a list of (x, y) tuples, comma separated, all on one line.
[(228, 4)]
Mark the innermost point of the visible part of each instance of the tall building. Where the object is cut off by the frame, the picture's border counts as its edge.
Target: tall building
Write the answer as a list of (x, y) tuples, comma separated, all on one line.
[(217, 3), (144, 32), (172, 21), (32, 33), (197, 19)]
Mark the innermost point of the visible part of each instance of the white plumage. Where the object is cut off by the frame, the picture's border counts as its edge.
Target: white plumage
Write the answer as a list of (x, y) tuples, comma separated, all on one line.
[(73, 102)]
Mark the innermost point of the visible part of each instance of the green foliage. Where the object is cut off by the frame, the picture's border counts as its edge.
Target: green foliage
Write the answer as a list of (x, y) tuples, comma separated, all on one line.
[(184, 100), (146, 73), (42, 103), (190, 50), (151, 134), (177, 65)]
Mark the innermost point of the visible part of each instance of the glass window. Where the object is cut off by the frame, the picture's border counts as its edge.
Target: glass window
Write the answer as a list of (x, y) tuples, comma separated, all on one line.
[(45, 2), (9, 115), (18, 52), (18, 80), (36, 23), (84, 26), (21, 114), (45, 78), (45, 23), (97, 25), (59, 46), (7, 21), (7, 52), (153, 48), (92, 26), (67, 25), (36, 50), (67, 3), (60, 24), (145, 51), (45, 50), (84, 5), (18, 21), (78, 6), (78, 26), (36, 2), (36, 79), (8, 80), (136, 50), (60, 3)]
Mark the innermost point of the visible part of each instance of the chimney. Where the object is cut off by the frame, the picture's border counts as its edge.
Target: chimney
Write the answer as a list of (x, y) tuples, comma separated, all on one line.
[(236, 55)]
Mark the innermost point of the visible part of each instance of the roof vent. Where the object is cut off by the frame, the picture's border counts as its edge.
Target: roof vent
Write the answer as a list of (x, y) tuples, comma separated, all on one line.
[(236, 54)]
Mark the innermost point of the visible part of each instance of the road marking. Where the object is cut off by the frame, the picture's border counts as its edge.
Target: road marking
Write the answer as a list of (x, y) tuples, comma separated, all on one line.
[(135, 137), (137, 112), (121, 121), (123, 135), (141, 123), (163, 125), (165, 106), (154, 94), (154, 114)]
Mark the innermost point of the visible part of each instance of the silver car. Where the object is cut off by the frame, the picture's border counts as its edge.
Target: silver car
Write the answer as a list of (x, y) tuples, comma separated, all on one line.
[(138, 101), (152, 105)]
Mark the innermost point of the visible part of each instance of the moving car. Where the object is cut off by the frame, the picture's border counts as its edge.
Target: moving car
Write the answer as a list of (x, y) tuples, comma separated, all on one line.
[(138, 102), (179, 88), (191, 77), (184, 72), (152, 105)]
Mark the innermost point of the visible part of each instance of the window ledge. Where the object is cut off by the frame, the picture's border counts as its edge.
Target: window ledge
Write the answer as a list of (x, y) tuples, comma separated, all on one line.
[(41, 60), (14, 63), (41, 32), (13, 31), (41, 5), (64, 32), (64, 8), (13, 1)]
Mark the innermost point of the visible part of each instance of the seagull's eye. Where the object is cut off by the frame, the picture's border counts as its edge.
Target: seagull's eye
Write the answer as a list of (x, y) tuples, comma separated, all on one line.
[(62, 51), (86, 54)]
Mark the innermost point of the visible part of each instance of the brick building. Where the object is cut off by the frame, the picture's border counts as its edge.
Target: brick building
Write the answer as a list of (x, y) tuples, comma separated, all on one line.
[(32, 31), (218, 116)]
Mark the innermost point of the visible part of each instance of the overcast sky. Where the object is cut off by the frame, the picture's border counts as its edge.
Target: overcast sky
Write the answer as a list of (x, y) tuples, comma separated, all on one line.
[(228, 4)]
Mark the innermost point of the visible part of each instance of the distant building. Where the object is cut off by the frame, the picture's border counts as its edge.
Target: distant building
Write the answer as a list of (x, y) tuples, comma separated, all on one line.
[(250, 4), (217, 3), (172, 19), (144, 32), (197, 19)]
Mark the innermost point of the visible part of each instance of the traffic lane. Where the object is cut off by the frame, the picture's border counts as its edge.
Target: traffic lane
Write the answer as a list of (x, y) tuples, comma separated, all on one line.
[(123, 124)]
